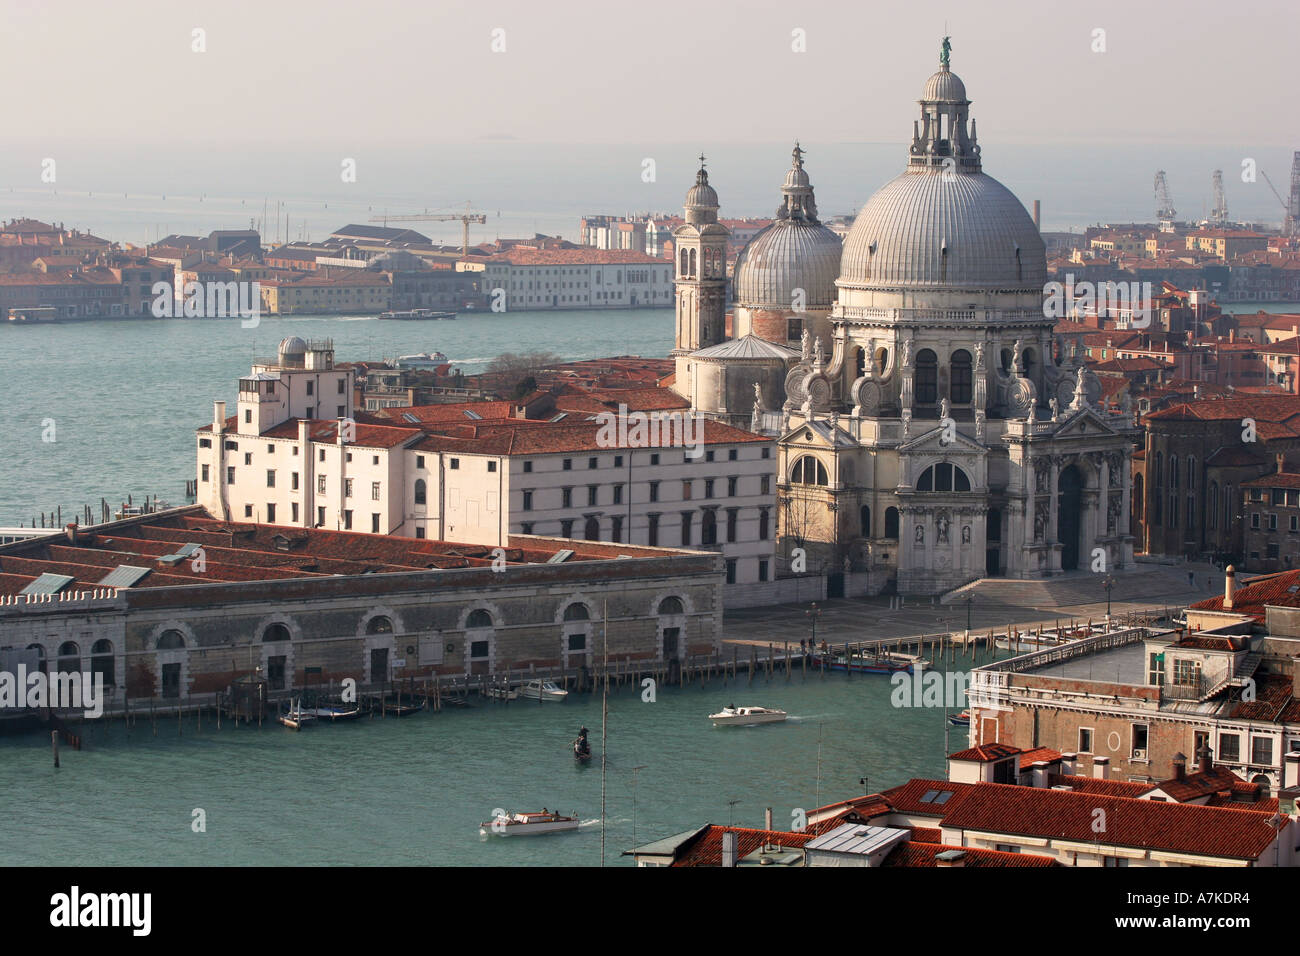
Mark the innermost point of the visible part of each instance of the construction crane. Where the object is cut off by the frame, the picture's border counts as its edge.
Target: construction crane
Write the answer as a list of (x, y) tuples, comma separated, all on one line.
[(1291, 222), (465, 218), (1220, 212), (1164, 205)]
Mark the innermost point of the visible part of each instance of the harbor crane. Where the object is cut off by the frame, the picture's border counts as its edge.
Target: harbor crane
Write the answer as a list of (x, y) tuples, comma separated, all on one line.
[(1165, 211), (465, 218), (1291, 206)]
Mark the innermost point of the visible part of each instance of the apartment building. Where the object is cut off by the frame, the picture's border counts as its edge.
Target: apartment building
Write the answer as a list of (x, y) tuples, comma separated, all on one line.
[(583, 278)]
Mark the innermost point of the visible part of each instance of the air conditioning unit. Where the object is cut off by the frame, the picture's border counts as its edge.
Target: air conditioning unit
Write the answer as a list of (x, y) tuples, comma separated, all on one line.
[(1139, 755)]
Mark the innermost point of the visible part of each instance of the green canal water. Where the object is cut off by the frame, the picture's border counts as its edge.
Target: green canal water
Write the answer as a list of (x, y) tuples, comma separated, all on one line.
[(412, 791)]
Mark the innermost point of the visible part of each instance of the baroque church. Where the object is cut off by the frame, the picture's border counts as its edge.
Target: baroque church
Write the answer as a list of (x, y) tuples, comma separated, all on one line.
[(931, 429)]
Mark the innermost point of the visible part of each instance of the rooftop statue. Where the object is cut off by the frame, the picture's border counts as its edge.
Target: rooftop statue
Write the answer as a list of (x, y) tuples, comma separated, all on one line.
[(947, 52)]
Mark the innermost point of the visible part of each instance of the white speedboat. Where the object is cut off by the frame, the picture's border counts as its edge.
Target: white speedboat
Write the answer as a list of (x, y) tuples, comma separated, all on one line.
[(732, 715), (527, 824), (543, 690)]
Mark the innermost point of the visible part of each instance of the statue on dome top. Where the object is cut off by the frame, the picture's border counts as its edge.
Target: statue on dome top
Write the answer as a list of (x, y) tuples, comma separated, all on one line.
[(946, 54)]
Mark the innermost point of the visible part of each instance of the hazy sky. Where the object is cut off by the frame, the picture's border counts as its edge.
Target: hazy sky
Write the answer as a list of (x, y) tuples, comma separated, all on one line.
[(341, 75)]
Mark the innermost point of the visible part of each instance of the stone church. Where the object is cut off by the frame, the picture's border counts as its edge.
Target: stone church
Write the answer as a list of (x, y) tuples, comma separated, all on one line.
[(932, 429)]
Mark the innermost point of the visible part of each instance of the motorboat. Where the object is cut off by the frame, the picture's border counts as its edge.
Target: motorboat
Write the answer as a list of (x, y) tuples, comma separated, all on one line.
[(417, 314), (888, 662), (500, 692), (295, 717), (543, 690), (733, 716), (421, 360), (528, 824), (960, 720)]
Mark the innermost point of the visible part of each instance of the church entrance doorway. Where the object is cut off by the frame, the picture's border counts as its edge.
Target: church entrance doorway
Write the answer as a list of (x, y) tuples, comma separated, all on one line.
[(1069, 505)]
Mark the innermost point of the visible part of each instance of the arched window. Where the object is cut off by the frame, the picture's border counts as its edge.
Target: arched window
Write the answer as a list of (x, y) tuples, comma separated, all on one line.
[(69, 659), (865, 518), (576, 612), (682, 269), (944, 476), (101, 661), (478, 618), (882, 359), (927, 377), (1191, 472), (861, 359), (671, 605), (421, 492), (692, 272), (172, 640), (1228, 506), (591, 530), (891, 524), (960, 387), (40, 657), (1138, 497), (379, 624), (1173, 472), (1159, 471), (809, 471), (276, 632), (1213, 512)]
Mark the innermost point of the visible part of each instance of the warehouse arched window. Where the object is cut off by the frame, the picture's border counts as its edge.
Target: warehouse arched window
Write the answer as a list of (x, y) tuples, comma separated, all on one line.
[(172, 640), (479, 618), (276, 632), (379, 624), (69, 659), (101, 661), (891, 524)]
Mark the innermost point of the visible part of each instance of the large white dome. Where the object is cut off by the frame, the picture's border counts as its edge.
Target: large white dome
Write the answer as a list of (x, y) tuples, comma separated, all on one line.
[(939, 228)]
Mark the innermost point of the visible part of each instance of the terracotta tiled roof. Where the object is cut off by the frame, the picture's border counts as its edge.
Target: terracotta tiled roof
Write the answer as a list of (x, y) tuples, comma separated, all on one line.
[(706, 849), (1199, 784), (986, 752), (1110, 788), (1030, 757), (1279, 589), (1276, 480), (910, 797), (918, 854), (1272, 696), (1147, 824)]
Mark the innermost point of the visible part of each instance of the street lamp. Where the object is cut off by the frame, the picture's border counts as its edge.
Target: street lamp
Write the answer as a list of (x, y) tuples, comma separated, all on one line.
[(970, 601), (1108, 582), (813, 613)]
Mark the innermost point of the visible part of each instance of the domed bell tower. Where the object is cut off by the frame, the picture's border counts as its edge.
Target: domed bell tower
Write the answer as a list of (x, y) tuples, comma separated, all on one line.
[(700, 251)]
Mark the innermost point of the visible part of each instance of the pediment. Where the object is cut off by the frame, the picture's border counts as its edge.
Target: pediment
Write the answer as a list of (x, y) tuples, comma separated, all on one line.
[(931, 443)]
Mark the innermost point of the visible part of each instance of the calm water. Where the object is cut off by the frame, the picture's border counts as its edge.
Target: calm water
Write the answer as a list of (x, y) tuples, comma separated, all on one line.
[(126, 396), (413, 790)]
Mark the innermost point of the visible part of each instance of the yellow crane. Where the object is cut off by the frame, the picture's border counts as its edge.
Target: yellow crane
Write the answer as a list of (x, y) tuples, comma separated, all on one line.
[(465, 218)]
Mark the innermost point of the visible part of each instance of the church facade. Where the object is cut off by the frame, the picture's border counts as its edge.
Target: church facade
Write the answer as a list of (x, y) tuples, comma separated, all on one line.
[(931, 429)]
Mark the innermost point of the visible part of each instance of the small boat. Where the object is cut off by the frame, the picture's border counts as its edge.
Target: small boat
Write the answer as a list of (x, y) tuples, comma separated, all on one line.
[(500, 693), (960, 720), (417, 314), (394, 706), (543, 690), (887, 663), (582, 747), (333, 712), (733, 716), (294, 717), (528, 824), (421, 360)]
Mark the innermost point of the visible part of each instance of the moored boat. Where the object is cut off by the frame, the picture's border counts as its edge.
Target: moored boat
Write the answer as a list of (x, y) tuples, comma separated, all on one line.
[(733, 716), (960, 720), (528, 824), (543, 690), (294, 717), (417, 314), (887, 663)]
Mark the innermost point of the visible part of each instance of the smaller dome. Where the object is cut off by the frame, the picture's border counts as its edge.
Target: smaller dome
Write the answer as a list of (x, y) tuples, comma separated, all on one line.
[(293, 346), (945, 86), (796, 178)]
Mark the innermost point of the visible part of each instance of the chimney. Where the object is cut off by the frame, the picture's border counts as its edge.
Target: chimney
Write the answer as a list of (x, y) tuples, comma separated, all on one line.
[(1069, 764), (729, 848), (1101, 768), (949, 858), (1180, 766), (218, 417), (70, 529), (1232, 336), (1229, 588), (767, 819), (1206, 758), (1038, 211), (1040, 774), (1291, 770)]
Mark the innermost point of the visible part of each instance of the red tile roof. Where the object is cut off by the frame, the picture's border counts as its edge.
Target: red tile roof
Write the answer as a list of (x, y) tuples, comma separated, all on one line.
[(986, 753), (706, 849), (1146, 824), (1030, 757), (923, 854)]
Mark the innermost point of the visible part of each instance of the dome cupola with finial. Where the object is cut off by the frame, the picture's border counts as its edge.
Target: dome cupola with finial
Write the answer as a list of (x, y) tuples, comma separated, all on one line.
[(702, 199), (784, 278)]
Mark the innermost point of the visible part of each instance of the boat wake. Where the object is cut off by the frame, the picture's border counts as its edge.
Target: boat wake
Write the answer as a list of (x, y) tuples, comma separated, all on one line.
[(594, 822)]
